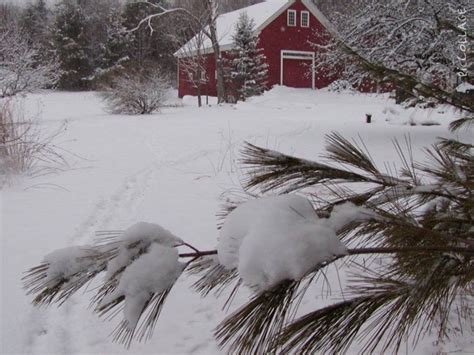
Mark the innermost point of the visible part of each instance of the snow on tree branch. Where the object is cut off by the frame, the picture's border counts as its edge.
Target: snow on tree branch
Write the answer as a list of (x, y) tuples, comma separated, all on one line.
[(412, 37), (21, 68)]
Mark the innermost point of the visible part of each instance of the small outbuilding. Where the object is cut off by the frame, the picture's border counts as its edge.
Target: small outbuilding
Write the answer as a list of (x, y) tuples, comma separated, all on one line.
[(286, 30)]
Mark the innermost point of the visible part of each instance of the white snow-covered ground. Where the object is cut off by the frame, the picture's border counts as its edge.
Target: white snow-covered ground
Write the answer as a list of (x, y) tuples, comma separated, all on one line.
[(169, 168)]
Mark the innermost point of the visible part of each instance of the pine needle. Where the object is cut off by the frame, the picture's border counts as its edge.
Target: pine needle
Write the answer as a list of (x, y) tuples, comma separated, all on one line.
[(461, 123), (252, 328), (215, 277), (60, 289), (143, 330), (272, 170), (343, 151)]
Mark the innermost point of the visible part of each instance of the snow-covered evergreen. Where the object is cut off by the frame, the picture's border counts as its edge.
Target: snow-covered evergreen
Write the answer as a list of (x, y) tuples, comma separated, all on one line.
[(249, 69), (71, 44), (116, 47)]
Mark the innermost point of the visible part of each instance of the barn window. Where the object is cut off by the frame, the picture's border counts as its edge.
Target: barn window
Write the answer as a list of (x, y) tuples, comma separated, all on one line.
[(304, 19), (292, 18)]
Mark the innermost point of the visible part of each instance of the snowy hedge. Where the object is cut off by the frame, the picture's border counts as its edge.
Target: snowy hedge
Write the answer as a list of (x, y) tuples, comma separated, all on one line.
[(136, 93)]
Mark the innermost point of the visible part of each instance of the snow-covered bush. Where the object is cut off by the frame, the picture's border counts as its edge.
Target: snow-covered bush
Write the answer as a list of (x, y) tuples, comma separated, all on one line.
[(22, 70), (136, 93), (341, 86), (24, 146)]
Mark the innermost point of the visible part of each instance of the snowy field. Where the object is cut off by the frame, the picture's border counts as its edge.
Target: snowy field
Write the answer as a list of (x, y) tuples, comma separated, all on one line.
[(172, 169)]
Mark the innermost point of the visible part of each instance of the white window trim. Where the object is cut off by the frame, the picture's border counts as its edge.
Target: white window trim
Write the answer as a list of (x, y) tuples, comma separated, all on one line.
[(301, 18), (302, 55), (288, 18)]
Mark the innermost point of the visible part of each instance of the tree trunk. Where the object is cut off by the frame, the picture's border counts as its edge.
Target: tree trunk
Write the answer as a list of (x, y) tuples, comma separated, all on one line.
[(212, 9), (198, 92)]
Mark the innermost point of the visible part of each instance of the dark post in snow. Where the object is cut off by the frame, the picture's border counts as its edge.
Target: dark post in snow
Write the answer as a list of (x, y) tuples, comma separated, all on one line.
[(368, 117)]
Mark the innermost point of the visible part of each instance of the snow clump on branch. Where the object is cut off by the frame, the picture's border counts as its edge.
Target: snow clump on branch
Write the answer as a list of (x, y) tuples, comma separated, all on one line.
[(273, 239), (152, 273)]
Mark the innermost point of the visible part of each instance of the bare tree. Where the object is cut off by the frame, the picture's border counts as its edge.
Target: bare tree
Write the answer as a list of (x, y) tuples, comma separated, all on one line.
[(212, 8), (210, 31), (192, 62)]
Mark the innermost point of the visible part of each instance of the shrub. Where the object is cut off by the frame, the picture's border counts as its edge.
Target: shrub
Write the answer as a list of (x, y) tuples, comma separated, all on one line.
[(24, 147), (136, 93)]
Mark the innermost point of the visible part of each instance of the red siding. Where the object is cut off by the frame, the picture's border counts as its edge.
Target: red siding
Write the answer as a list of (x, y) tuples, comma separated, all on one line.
[(297, 73), (185, 86), (277, 36), (274, 38)]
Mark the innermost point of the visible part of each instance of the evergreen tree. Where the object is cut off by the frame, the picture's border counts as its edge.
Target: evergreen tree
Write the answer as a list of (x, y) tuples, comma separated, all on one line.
[(117, 42), (249, 69), (34, 23), (71, 45), (115, 47)]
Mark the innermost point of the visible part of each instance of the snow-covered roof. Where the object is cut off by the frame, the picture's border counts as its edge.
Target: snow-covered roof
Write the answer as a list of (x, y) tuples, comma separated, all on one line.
[(262, 14)]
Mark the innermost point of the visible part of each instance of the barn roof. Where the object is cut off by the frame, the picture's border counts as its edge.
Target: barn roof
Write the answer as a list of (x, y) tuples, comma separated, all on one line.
[(262, 13)]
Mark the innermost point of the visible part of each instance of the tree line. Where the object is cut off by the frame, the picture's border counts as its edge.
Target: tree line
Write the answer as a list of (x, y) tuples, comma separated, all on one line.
[(85, 43)]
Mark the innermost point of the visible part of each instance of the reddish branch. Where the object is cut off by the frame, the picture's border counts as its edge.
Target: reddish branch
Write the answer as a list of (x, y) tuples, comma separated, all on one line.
[(361, 251)]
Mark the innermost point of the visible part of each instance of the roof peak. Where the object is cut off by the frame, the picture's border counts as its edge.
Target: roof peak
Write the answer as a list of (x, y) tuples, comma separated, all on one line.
[(262, 13)]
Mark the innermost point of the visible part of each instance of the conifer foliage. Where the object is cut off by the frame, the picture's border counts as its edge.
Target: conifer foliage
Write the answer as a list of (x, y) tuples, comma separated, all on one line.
[(249, 69), (71, 44)]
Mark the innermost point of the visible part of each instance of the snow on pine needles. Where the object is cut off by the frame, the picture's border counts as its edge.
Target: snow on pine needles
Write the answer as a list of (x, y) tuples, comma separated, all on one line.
[(141, 266), (279, 238)]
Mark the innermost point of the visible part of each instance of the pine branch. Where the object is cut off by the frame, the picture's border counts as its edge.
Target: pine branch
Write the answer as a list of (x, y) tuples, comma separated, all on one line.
[(456, 147), (382, 312), (123, 333), (341, 150), (62, 287), (271, 170), (215, 277), (252, 328), (466, 251), (330, 329), (461, 123)]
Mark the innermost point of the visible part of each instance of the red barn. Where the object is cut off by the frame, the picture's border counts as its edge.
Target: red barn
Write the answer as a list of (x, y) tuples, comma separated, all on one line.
[(285, 29)]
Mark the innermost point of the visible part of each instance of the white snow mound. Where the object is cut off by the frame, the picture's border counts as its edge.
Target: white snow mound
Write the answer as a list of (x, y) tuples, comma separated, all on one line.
[(273, 239)]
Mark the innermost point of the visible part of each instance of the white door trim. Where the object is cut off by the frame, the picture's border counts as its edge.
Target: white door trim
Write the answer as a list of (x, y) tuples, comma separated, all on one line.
[(301, 55)]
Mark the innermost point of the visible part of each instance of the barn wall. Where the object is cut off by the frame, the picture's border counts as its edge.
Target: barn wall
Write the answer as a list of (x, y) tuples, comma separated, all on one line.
[(277, 36), (273, 38), (186, 87)]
